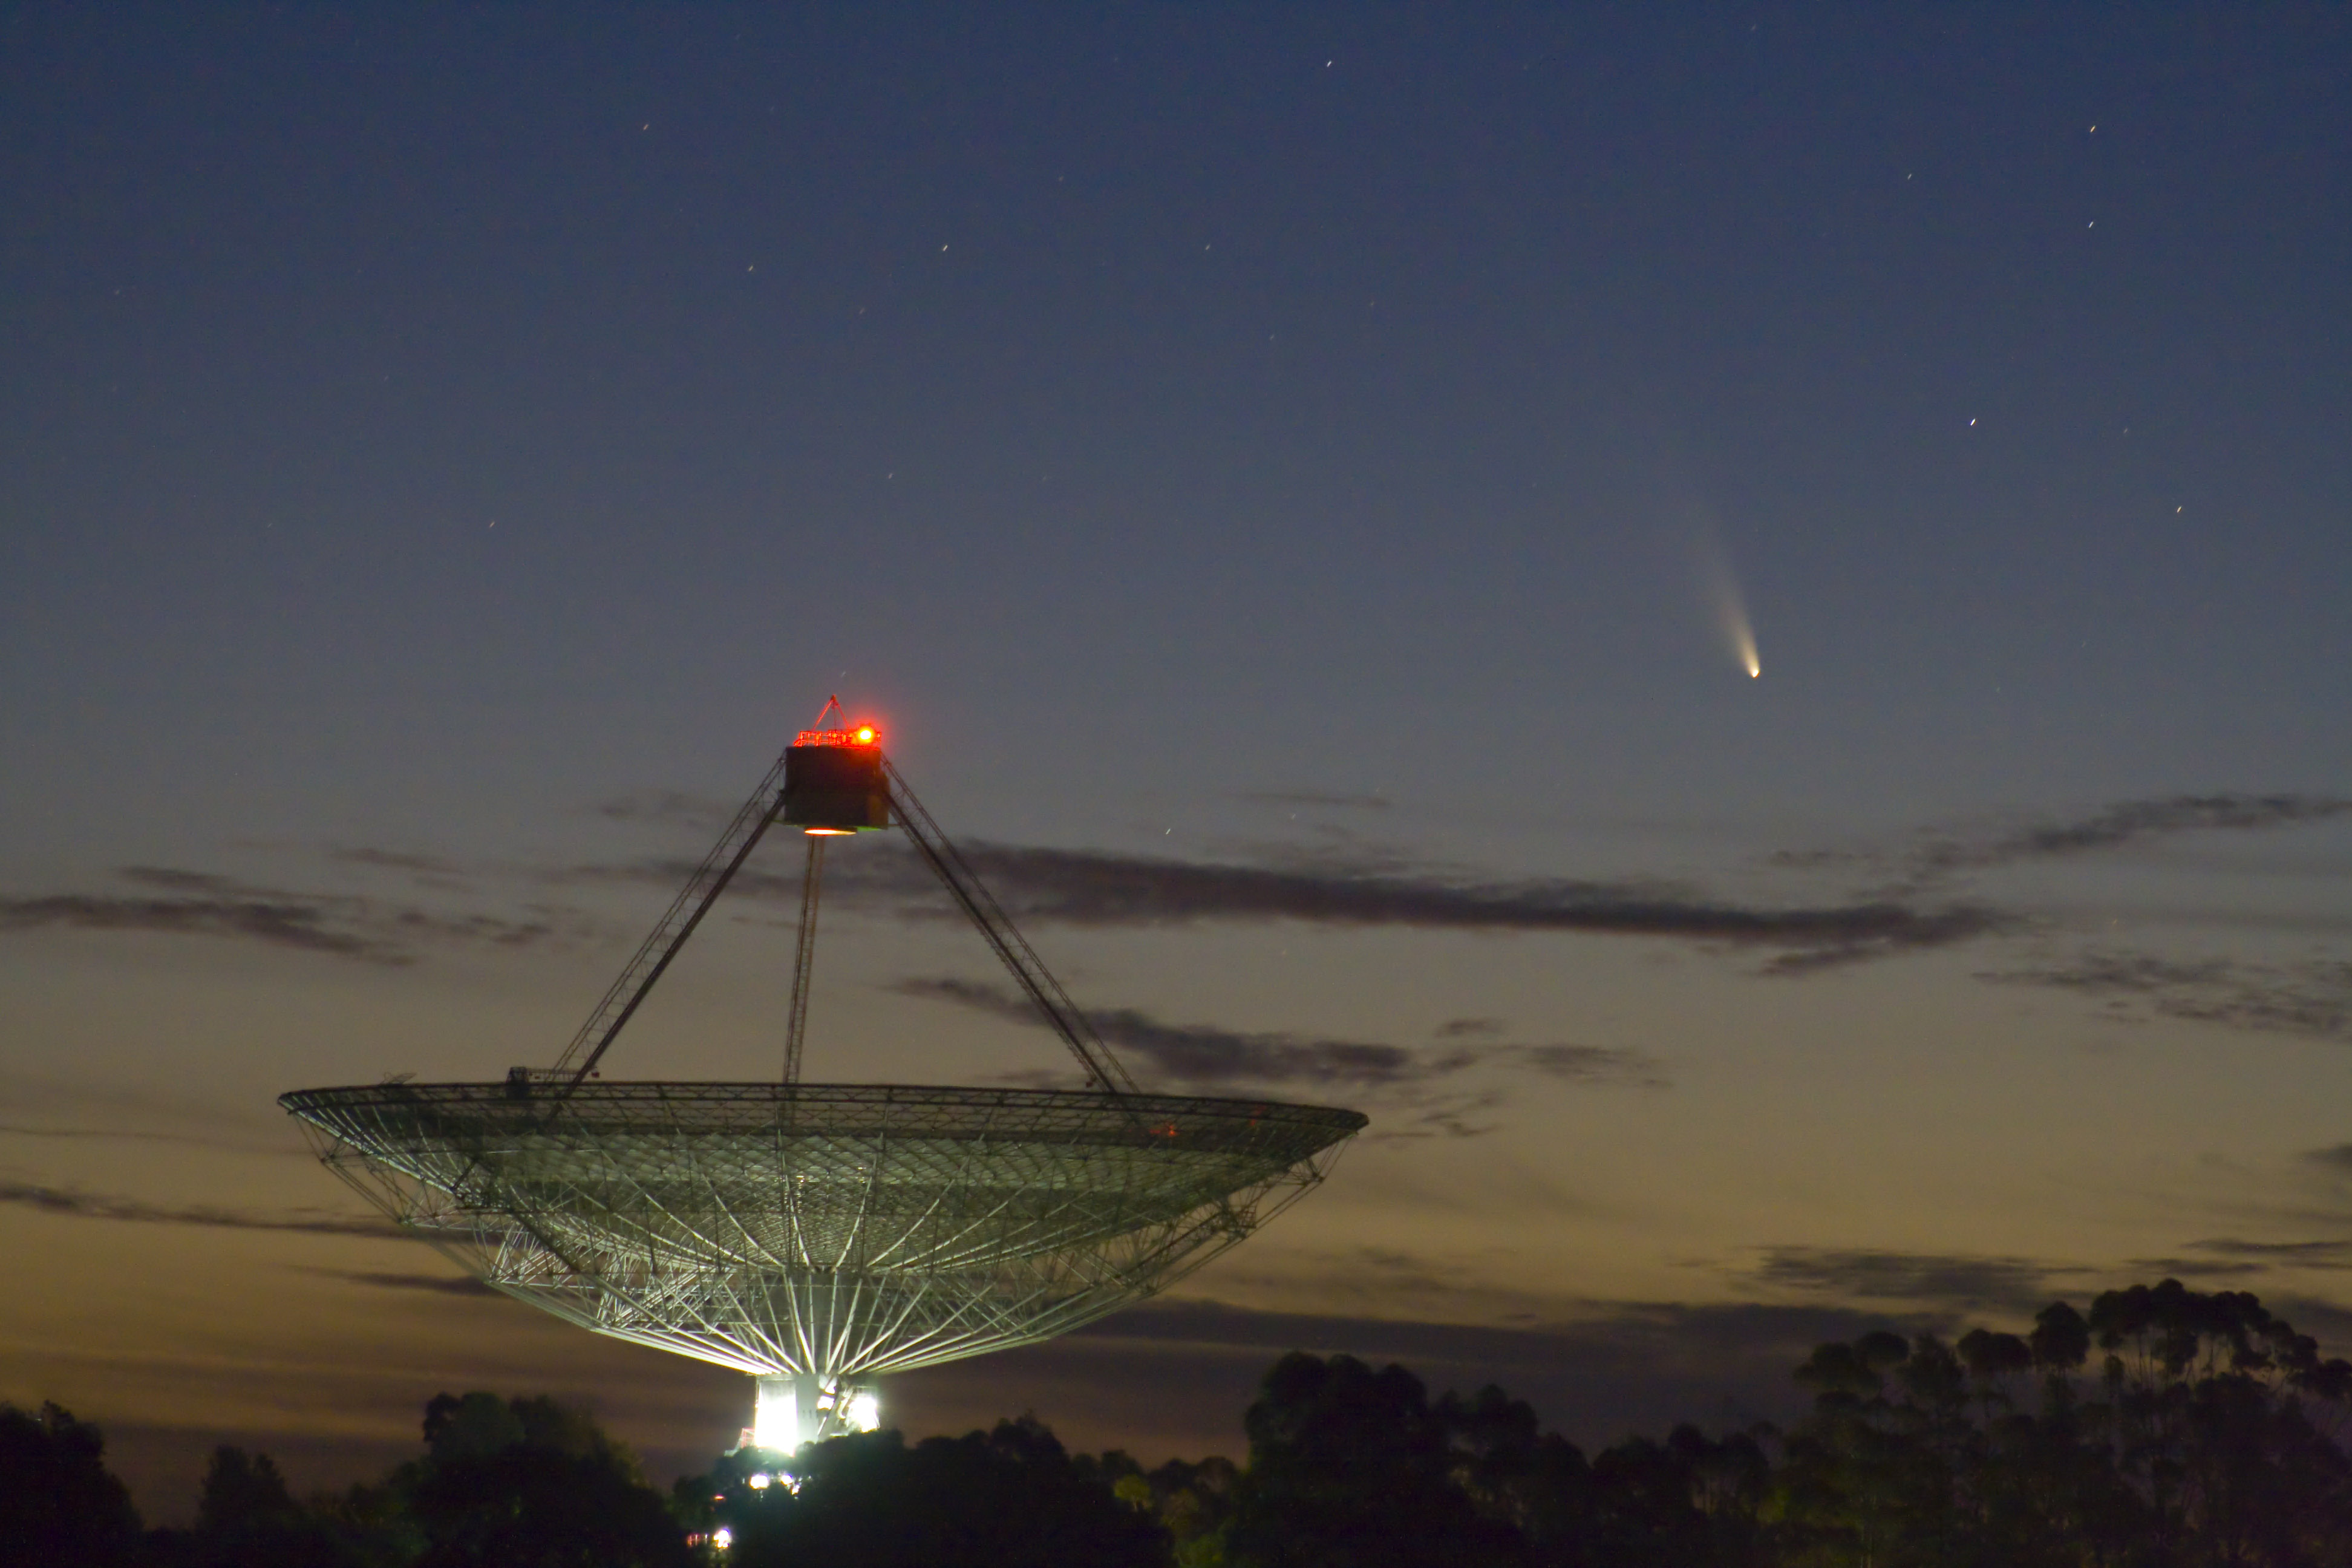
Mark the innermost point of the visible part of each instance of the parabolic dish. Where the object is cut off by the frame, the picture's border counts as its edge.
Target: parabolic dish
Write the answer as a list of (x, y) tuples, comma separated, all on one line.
[(821, 1229)]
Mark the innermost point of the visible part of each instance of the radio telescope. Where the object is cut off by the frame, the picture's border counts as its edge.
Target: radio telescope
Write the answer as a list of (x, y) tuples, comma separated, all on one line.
[(815, 1236)]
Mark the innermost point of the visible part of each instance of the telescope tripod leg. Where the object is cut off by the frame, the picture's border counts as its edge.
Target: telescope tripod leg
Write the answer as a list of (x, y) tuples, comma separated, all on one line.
[(796, 1022)]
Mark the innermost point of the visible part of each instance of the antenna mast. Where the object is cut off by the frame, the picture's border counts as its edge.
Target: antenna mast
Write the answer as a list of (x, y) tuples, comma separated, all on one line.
[(831, 783)]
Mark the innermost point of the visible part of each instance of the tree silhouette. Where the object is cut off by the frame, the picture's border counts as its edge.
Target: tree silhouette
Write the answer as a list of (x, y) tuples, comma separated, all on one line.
[(2161, 1429), (58, 1503), (246, 1518), (1351, 1468), (1009, 1498), (526, 1483)]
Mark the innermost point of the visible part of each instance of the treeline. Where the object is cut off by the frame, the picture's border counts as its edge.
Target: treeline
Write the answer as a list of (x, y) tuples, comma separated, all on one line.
[(2164, 1428)]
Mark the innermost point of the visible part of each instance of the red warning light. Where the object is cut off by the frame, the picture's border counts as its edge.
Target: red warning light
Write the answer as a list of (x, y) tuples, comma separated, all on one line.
[(864, 735), (836, 780)]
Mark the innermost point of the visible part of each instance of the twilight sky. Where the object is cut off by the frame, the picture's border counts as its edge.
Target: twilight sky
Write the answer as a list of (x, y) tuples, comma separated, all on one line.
[(1292, 485)]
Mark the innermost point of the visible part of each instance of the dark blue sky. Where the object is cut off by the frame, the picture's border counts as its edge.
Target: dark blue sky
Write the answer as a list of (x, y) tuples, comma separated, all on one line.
[(418, 429)]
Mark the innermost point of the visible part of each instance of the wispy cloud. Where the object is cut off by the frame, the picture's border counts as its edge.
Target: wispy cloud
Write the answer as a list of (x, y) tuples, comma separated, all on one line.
[(2308, 998), (2192, 1268), (1100, 889), (2138, 821), (120, 1134), (280, 922), (2330, 1254), (1094, 888), (1952, 1280), (427, 870), (671, 808), (436, 1284), (1206, 1055), (1319, 799), (1939, 853), (1975, 1282), (69, 1203), (202, 903)]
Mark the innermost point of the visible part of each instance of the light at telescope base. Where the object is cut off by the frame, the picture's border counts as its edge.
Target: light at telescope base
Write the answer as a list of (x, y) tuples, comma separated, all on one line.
[(794, 1408)]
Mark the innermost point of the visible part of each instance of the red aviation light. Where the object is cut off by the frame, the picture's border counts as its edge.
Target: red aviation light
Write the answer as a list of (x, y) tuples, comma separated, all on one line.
[(836, 781), (864, 735)]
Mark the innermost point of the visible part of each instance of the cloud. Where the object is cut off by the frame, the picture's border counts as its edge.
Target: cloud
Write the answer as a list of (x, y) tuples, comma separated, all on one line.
[(428, 866), (119, 1135), (2309, 998), (1964, 1282), (2336, 1157), (1469, 1029), (1775, 1327), (280, 922), (1583, 1064), (2327, 1321), (70, 1205), (672, 808), (1206, 1055), (1940, 853), (2331, 1254), (1973, 1282), (437, 1284), (2136, 821), (2188, 1268), (1094, 889), (1103, 890), (201, 903), (1202, 1055), (1942, 1280), (1316, 798)]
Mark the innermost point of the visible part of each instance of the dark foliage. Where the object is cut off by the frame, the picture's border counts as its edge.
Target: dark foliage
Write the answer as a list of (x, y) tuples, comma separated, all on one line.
[(1011, 1498), (526, 1483), (1349, 1466), (246, 1519), (58, 1503), (2193, 1444), (2164, 1428)]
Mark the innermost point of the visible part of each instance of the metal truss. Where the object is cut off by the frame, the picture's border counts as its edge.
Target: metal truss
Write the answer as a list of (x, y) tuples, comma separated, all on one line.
[(822, 1232), (822, 1229)]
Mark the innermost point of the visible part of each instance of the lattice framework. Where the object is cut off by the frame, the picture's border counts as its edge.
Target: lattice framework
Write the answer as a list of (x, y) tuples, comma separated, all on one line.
[(826, 1230)]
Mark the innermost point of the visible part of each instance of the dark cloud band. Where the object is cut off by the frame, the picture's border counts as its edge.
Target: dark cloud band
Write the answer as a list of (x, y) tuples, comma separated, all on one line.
[(1085, 888), (1205, 1056), (2312, 998), (1940, 853), (200, 903), (1945, 1280), (70, 1205)]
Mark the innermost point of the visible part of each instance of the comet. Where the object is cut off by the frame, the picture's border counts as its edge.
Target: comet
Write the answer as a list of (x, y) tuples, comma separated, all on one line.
[(1721, 586), (1692, 529)]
